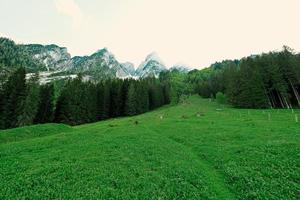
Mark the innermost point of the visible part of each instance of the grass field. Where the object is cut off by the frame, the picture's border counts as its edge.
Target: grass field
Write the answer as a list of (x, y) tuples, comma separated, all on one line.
[(194, 151)]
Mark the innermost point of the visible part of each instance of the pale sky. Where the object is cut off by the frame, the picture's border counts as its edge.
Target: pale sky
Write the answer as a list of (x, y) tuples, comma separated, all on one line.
[(194, 32)]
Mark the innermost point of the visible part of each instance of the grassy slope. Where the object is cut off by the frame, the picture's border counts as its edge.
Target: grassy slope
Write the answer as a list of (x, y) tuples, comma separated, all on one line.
[(29, 132), (228, 154)]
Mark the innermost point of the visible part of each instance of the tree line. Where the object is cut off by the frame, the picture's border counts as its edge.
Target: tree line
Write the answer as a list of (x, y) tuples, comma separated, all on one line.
[(269, 80), (26, 102)]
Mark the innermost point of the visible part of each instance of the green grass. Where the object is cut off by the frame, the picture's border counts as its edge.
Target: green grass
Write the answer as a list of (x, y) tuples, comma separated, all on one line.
[(29, 132), (222, 154)]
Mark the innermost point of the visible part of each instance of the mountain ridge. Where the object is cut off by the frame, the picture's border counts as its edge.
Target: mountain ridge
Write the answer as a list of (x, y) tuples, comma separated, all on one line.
[(58, 63)]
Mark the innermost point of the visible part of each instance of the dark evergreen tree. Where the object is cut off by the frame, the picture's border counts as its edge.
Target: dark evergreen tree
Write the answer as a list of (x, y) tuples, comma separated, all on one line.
[(115, 98), (100, 101), (106, 100), (90, 102), (62, 114), (166, 93), (45, 111), (131, 103), (154, 99), (13, 96), (142, 97), (124, 91), (31, 102)]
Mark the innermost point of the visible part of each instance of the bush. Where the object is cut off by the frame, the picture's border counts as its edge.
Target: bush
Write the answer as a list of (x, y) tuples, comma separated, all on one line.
[(221, 98)]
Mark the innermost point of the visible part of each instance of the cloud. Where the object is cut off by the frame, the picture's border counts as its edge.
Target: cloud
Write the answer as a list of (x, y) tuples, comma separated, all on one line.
[(71, 9)]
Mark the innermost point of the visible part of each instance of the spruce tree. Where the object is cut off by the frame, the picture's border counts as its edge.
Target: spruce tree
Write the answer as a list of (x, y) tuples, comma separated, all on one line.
[(106, 100), (45, 111), (31, 102), (100, 101), (89, 102), (115, 97), (124, 91), (166, 93), (153, 97), (62, 108), (143, 97), (131, 102), (14, 95)]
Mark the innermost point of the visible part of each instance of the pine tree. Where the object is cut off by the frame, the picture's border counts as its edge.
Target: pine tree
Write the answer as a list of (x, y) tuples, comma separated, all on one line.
[(154, 98), (89, 102), (31, 102), (143, 97), (131, 102), (13, 97), (115, 97), (62, 109), (232, 91), (124, 91), (166, 93), (78, 103), (288, 67), (161, 95), (100, 101), (45, 111), (106, 100), (252, 93), (139, 98)]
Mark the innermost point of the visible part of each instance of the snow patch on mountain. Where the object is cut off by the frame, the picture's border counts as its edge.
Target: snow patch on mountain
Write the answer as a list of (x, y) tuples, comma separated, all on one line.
[(152, 66), (48, 76)]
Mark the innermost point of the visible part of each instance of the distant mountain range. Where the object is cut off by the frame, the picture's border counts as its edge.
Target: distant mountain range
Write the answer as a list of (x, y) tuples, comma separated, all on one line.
[(100, 64), (57, 63)]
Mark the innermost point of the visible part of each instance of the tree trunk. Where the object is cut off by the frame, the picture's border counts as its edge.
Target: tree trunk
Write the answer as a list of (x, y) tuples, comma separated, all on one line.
[(268, 97), (272, 99), (295, 93), (280, 99), (286, 103)]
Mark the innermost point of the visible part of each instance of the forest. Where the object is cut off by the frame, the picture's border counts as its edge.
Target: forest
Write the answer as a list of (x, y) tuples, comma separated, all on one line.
[(269, 80), (26, 102)]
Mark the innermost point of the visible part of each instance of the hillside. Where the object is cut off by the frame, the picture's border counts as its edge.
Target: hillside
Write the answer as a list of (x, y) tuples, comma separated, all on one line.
[(13, 56), (191, 151)]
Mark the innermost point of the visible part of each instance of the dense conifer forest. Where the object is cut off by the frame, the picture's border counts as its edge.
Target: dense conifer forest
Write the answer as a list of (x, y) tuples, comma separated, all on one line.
[(269, 80), (26, 102)]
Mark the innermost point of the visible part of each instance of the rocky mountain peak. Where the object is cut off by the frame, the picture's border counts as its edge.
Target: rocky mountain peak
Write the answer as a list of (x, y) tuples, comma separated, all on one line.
[(154, 57), (152, 66)]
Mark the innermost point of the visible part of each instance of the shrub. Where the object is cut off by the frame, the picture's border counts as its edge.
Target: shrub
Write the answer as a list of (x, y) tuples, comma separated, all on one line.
[(221, 98)]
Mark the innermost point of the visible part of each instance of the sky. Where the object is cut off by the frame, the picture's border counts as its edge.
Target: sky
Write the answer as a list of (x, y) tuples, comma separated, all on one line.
[(191, 32)]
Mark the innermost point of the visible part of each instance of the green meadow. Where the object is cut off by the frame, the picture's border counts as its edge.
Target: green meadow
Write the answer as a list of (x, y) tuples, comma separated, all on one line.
[(194, 150)]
